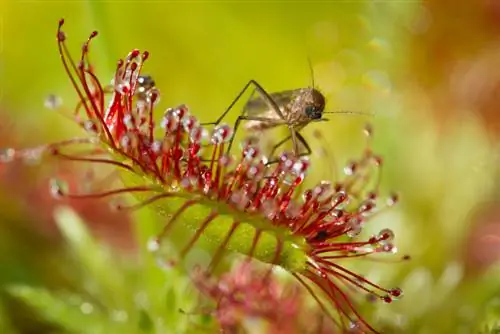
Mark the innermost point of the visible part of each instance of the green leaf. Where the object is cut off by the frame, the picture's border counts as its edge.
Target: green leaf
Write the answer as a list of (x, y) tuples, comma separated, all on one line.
[(69, 311), (145, 322), (105, 278)]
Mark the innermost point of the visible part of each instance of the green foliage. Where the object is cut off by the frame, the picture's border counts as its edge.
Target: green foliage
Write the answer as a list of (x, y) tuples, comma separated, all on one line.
[(115, 294)]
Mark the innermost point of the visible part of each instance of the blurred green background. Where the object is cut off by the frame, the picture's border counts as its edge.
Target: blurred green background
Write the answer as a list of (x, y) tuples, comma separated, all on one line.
[(428, 71)]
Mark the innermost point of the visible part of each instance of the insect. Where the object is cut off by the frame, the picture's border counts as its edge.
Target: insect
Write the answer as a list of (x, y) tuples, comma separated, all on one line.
[(145, 84), (294, 108)]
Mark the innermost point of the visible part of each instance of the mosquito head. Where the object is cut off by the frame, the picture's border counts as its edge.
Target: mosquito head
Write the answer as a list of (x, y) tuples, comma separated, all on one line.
[(315, 105)]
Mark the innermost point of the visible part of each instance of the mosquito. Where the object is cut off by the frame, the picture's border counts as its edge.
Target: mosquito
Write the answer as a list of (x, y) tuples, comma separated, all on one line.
[(294, 109)]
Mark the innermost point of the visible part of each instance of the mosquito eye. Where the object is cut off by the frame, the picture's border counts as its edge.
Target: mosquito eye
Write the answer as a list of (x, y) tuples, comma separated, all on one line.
[(312, 112)]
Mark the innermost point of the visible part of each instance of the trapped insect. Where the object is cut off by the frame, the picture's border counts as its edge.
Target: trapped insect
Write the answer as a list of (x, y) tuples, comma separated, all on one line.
[(294, 108)]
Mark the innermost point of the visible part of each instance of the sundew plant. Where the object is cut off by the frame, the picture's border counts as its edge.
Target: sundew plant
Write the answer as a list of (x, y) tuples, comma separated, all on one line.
[(234, 201)]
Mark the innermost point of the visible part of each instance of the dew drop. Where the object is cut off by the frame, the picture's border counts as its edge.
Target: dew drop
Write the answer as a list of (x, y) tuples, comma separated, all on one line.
[(292, 211), (392, 200), (222, 134), (116, 204), (180, 112), (119, 316), (169, 121), (355, 225), (7, 154), (189, 123), (165, 254), (52, 102), (185, 183), (300, 166), (334, 216), (32, 157), (153, 245), (249, 141), (86, 308), (199, 135), (354, 326), (307, 195), (350, 169), (387, 299), (368, 130), (385, 236), (91, 126), (250, 153), (153, 96), (323, 190), (254, 172), (157, 146), (240, 199), (366, 207), (58, 188), (122, 87), (396, 293), (269, 209), (225, 160), (165, 264), (388, 247)]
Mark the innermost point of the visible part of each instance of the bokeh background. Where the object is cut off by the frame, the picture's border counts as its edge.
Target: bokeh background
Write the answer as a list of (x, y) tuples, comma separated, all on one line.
[(427, 70)]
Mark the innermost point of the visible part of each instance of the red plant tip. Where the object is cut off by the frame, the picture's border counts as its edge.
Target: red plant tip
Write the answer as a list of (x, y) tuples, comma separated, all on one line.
[(238, 202)]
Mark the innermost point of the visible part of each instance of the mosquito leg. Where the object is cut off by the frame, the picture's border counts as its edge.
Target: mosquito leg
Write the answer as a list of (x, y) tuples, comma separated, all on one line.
[(298, 137), (250, 98), (280, 143), (257, 88), (272, 121), (303, 141)]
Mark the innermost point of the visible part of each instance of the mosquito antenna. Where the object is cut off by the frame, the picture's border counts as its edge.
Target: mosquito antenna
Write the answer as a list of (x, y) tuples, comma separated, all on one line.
[(349, 112), (311, 69)]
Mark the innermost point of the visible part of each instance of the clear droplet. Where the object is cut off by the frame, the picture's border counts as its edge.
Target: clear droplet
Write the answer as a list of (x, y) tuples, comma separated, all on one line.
[(119, 315), (58, 188), (32, 157), (122, 87), (355, 225), (86, 308), (396, 293), (91, 126), (222, 134), (53, 102), (392, 200), (300, 166), (153, 245), (153, 96), (350, 169), (385, 236), (7, 154)]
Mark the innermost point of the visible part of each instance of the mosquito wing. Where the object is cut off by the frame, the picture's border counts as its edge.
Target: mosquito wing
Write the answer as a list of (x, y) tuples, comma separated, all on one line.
[(259, 106)]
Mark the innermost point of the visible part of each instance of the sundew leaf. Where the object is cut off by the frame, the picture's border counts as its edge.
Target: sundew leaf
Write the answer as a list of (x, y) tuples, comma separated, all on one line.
[(71, 312)]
